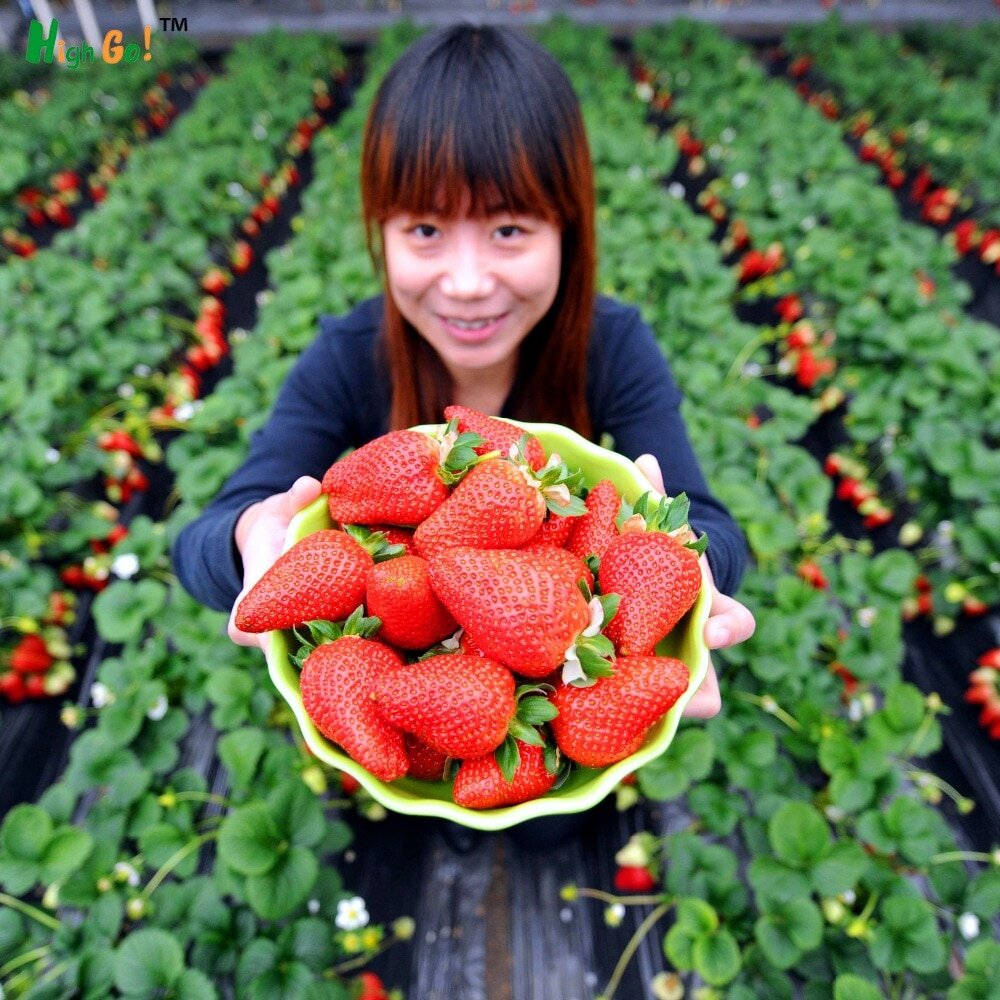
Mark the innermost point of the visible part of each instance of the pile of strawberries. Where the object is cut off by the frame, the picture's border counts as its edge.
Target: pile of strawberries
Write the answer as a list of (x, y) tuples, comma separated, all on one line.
[(474, 616)]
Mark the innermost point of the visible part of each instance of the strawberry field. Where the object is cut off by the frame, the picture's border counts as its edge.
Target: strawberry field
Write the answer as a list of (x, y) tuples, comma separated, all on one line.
[(812, 229)]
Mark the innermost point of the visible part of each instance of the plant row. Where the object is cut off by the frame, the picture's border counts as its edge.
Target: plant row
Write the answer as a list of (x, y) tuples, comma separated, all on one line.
[(952, 50), (808, 781), (875, 295), (104, 346), (89, 117), (151, 878), (912, 121)]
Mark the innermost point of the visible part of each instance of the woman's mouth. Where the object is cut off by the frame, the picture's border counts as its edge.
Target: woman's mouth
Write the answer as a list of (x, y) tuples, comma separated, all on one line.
[(472, 331)]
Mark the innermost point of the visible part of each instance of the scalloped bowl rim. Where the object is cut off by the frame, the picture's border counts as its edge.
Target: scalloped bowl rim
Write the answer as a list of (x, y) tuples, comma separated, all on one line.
[(586, 787)]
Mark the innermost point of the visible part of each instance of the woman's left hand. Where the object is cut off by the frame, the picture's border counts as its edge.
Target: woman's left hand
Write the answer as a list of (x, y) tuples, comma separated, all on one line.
[(729, 622)]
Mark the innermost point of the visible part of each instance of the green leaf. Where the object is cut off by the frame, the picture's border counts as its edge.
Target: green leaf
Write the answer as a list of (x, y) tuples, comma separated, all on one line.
[(65, 852), (195, 985), (788, 930), (26, 832), (851, 987), (312, 943), (249, 840), (689, 759), (297, 813), (122, 610), (717, 957), (148, 961), (240, 752), (841, 869), (508, 758), (798, 834), (286, 885), (982, 973)]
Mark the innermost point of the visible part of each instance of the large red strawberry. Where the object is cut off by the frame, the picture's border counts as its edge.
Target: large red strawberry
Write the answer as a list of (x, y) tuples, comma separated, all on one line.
[(556, 530), (399, 478), (658, 579), (480, 784), (320, 577), (494, 506), (594, 530), (606, 722), (497, 435), (426, 763), (460, 705), (399, 592), (552, 554), (521, 608), (337, 682)]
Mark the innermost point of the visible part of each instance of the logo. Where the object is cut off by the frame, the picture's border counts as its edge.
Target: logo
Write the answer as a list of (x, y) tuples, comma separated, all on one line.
[(44, 47)]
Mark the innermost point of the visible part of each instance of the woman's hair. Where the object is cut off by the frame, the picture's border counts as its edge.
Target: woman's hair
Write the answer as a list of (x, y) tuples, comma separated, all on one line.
[(483, 112)]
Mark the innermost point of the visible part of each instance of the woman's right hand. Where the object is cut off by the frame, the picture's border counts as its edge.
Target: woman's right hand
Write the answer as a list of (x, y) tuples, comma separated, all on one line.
[(260, 537)]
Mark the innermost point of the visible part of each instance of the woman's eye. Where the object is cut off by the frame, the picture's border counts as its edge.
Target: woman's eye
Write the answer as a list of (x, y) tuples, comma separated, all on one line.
[(424, 230), (506, 232)]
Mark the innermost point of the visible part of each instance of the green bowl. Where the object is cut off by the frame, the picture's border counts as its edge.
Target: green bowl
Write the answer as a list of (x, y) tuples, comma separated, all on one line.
[(585, 787)]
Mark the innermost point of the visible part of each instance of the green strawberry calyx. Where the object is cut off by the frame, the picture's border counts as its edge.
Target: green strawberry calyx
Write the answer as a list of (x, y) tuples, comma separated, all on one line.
[(321, 632), (375, 543), (533, 710), (668, 515), (559, 485), (592, 653), (457, 452)]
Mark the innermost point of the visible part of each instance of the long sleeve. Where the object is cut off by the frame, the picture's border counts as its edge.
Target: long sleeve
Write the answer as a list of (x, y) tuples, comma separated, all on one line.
[(331, 400), (636, 400)]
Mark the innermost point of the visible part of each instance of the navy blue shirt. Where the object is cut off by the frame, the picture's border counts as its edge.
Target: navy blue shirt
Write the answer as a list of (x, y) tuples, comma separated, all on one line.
[(337, 396)]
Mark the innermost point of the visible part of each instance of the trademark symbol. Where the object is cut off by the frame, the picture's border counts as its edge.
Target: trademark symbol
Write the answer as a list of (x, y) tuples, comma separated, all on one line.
[(174, 23)]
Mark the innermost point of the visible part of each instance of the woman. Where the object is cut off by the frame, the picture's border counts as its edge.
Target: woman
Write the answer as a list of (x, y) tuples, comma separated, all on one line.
[(478, 196)]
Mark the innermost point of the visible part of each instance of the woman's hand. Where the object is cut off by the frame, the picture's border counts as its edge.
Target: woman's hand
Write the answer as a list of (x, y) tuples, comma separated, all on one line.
[(260, 537), (729, 622)]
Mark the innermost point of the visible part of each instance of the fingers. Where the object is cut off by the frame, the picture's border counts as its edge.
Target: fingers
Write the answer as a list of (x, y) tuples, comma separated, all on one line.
[(706, 702), (241, 638), (650, 468), (729, 622)]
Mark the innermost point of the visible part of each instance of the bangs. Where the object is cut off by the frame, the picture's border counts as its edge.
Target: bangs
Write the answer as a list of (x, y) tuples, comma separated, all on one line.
[(465, 126)]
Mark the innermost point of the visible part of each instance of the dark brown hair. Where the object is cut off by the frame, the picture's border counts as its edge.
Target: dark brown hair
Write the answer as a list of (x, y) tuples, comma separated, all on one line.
[(486, 113)]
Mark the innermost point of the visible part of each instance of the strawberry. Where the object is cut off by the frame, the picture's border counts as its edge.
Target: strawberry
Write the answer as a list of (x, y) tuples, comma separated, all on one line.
[(521, 608), (555, 530), (657, 576), (400, 478), (480, 784), (426, 763), (493, 507), (606, 722), (575, 566), (497, 435), (634, 879), (31, 655), (337, 682), (399, 592), (594, 530), (460, 705), (320, 577)]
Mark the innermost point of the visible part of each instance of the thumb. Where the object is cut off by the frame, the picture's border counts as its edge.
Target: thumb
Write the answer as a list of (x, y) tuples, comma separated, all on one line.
[(650, 468), (302, 492)]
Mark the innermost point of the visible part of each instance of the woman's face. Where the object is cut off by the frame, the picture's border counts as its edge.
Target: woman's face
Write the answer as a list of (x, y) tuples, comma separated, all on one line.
[(473, 287)]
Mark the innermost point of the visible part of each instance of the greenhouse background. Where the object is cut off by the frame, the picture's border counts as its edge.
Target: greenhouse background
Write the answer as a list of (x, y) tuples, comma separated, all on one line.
[(803, 198)]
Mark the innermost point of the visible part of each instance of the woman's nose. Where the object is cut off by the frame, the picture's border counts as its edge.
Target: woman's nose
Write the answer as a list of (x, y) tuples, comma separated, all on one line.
[(468, 273)]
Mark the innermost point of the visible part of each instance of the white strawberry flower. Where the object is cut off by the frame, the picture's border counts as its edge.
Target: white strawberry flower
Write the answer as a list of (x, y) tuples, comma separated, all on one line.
[(676, 190), (644, 92), (125, 565), (572, 670), (142, 370), (614, 914), (124, 872), (101, 695), (866, 616), (313, 906), (158, 709), (52, 455), (453, 641), (740, 179), (126, 390), (351, 914), (727, 135), (968, 926)]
